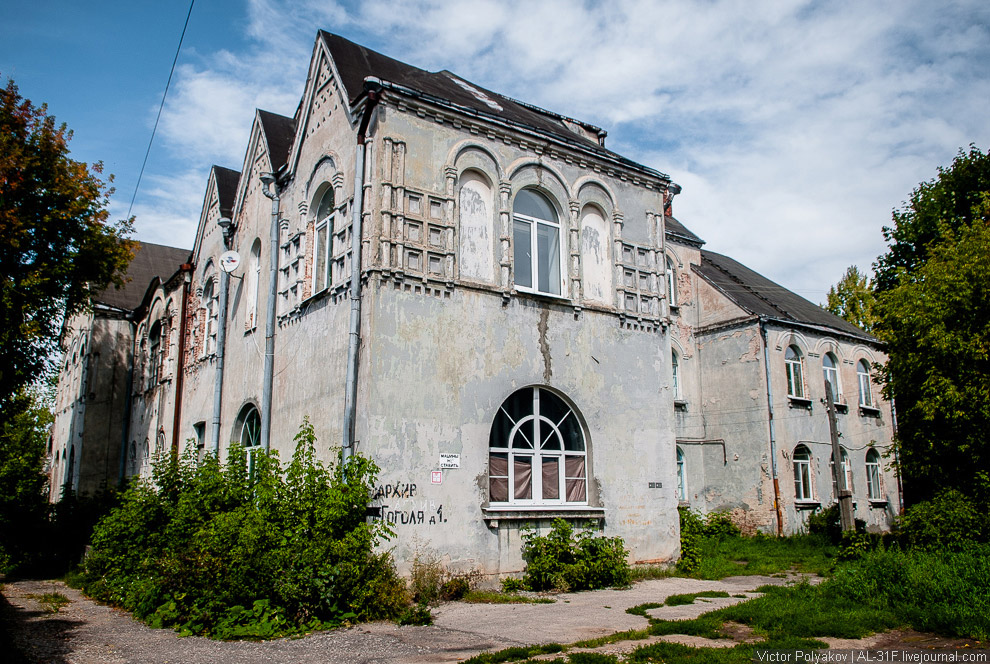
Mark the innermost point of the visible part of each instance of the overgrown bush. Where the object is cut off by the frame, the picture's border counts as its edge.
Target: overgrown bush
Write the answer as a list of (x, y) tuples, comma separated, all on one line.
[(827, 523), (949, 521), (695, 529), (212, 549), (562, 561)]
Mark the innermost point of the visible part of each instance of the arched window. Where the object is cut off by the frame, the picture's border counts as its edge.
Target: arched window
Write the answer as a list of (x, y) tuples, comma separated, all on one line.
[(253, 278), (537, 452), (210, 317), (248, 432), (794, 363), (803, 490), (536, 244), (323, 245), (671, 283), (865, 384), (675, 377), (845, 468), (681, 476), (155, 354), (830, 369), (874, 478)]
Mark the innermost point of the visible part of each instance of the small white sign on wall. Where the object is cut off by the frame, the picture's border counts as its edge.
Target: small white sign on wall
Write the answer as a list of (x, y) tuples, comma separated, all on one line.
[(450, 460), (436, 477)]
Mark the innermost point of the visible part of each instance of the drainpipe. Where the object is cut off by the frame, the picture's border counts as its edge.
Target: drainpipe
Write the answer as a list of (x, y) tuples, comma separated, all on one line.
[(773, 435), (270, 190), (224, 224), (180, 356), (372, 87), (125, 430)]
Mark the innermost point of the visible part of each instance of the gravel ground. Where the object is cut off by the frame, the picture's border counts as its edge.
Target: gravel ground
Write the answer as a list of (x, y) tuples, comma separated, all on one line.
[(84, 632)]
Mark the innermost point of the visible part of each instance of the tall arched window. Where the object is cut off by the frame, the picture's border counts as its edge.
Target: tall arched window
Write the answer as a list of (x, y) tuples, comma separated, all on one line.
[(253, 278), (536, 244), (671, 283), (323, 245), (675, 375), (874, 481), (210, 317), (248, 432), (154, 354), (794, 363), (865, 384), (681, 476), (537, 452), (803, 490), (830, 369), (845, 468)]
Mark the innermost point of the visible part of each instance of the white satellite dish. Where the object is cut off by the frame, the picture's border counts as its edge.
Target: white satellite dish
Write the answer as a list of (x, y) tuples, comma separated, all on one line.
[(229, 260)]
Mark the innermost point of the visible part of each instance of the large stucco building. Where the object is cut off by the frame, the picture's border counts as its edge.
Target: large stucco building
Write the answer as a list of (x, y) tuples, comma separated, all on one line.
[(532, 334)]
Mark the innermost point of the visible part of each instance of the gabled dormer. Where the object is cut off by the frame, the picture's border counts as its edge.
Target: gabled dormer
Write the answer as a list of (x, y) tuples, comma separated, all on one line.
[(268, 150), (218, 202)]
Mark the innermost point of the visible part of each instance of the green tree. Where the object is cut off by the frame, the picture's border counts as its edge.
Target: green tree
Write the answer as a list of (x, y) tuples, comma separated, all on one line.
[(852, 299), (935, 321), (23, 507), (946, 203), (57, 240)]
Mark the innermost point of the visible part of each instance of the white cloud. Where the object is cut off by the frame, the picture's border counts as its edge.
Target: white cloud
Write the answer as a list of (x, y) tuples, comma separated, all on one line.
[(794, 127)]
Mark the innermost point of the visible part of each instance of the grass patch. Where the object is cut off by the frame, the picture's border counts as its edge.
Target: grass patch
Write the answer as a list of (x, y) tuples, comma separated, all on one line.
[(51, 602), (681, 600), (515, 654), (647, 572), (743, 556), (628, 635), (493, 597), (744, 653)]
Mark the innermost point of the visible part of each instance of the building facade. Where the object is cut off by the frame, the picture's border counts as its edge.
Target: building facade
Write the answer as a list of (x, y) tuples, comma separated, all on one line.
[(529, 335)]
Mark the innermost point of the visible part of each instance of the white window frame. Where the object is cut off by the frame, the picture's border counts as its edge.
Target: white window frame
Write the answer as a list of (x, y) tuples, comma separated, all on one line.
[(804, 488), (865, 384), (671, 275), (211, 308), (795, 373), (681, 476), (249, 435), (675, 367), (325, 227), (845, 469), (537, 454), (874, 475), (254, 280), (831, 374), (536, 270)]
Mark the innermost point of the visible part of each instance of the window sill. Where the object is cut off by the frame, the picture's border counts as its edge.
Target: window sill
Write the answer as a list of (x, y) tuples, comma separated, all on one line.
[(869, 411), (675, 310), (878, 503), (806, 504), (841, 408), (522, 290), (798, 402), (533, 512), (680, 405)]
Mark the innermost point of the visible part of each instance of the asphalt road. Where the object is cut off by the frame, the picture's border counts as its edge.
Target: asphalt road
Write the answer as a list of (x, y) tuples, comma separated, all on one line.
[(85, 632)]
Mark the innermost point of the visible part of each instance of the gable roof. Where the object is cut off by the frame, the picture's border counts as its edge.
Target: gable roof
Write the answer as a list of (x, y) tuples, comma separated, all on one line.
[(279, 132), (758, 295), (355, 63), (227, 179), (679, 231), (150, 261)]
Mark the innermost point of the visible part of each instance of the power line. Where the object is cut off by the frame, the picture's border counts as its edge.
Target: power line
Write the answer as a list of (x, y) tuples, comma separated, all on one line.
[(160, 107)]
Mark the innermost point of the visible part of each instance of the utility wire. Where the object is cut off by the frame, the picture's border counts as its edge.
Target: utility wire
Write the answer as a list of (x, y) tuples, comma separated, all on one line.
[(160, 107)]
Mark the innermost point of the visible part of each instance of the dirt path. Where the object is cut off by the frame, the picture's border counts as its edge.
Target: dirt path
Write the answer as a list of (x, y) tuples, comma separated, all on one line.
[(84, 632)]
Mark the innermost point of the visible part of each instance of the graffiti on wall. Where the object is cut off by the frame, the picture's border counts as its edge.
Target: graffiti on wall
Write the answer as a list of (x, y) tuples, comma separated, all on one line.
[(400, 505)]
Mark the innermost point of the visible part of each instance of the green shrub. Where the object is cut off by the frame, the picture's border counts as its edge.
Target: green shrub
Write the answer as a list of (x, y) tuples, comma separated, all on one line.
[(425, 579), (454, 589), (417, 614), (949, 521), (210, 549), (562, 561), (512, 585)]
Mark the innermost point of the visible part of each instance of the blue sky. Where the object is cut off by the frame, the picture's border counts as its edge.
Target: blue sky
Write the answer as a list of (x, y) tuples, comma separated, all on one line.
[(794, 127)]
